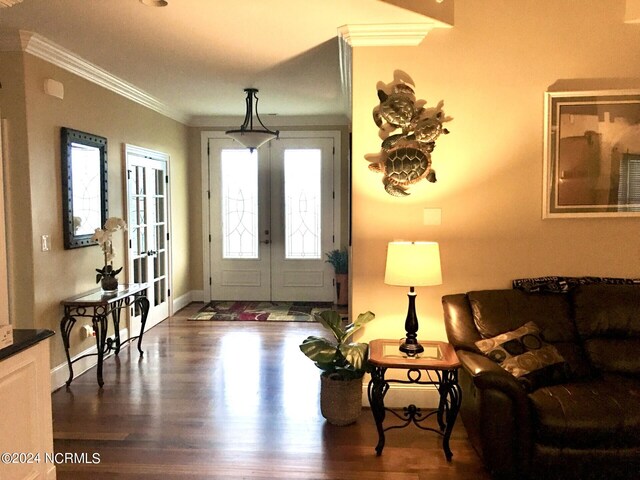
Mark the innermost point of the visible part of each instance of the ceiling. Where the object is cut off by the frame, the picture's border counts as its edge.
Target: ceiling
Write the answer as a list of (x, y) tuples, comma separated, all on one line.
[(196, 56)]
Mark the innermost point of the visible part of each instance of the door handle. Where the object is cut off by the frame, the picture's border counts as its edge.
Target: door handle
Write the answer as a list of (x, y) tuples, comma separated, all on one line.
[(266, 242), (151, 253)]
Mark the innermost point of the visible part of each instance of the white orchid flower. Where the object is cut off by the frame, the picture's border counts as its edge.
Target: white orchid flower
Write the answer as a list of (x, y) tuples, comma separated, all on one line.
[(103, 237), (114, 224), (98, 236)]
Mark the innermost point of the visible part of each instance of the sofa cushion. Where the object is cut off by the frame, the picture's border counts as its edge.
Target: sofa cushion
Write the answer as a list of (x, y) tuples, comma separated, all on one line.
[(499, 311), (608, 321), (525, 355), (603, 412)]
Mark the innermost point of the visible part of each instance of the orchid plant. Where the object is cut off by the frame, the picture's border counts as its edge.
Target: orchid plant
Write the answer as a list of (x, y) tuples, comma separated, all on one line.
[(104, 238)]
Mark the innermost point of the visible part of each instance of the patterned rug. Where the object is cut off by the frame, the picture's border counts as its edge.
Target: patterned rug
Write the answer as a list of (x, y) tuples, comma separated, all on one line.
[(261, 311)]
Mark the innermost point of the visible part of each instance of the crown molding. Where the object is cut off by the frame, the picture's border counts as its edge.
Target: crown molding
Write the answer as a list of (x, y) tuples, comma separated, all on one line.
[(48, 51), (387, 35), (632, 12), (276, 121), (346, 76), (15, 41), (8, 3)]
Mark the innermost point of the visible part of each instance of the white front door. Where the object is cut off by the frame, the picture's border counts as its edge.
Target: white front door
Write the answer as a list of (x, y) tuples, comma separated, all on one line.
[(272, 220), (148, 231)]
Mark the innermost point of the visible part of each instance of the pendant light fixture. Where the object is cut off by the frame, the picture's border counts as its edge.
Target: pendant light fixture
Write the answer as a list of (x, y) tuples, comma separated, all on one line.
[(246, 135)]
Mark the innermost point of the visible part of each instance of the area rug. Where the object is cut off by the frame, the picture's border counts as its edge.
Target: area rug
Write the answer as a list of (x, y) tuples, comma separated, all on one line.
[(261, 311)]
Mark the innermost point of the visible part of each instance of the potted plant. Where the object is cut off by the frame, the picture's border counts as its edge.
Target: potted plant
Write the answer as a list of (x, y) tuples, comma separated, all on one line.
[(343, 364), (107, 275), (339, 259)]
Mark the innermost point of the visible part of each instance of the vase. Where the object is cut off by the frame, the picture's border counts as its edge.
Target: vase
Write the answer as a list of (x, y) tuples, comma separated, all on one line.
[(340, 400), (342, 289), (109, 284)]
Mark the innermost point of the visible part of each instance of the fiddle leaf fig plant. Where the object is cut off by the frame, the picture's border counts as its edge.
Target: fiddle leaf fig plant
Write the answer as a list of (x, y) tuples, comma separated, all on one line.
[(338, 358)]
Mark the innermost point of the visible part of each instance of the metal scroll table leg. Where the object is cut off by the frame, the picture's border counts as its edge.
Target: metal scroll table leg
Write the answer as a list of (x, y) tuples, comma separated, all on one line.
[(115, 316), (452, 394), (143, 303), (66, 325), (100, 325), (376, 391)]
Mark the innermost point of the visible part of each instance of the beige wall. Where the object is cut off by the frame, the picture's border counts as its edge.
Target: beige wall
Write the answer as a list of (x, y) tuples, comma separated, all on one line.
[(41, 279), (17, 188), (491, 70)]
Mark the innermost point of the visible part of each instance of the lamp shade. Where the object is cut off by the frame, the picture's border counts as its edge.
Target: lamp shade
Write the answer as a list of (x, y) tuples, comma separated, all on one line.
[(413, 264), (251, 139)]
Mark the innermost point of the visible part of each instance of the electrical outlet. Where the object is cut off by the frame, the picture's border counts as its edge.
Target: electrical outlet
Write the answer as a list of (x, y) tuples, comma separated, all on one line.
[(87, 331)]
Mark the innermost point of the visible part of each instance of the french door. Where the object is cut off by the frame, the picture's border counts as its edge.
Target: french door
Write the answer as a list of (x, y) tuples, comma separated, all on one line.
[(148, 231), (271, 220)]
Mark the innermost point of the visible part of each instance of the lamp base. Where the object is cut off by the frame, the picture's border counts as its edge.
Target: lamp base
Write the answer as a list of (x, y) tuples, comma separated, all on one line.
[(411, 347)]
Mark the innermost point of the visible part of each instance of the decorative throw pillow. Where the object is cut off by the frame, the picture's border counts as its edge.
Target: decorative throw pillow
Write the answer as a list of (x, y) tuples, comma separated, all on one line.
[(523, 353), (566, 284)]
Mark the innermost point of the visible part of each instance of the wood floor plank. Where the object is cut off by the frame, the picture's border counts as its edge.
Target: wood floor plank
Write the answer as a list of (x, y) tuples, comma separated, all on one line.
[(231, 400)]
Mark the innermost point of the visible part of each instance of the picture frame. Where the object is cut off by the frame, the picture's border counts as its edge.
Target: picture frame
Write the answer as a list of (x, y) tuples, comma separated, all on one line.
[(591, 154)]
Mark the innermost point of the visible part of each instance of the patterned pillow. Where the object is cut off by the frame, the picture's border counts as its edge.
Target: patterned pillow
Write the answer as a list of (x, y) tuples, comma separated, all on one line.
[(523, 353), (566, 284)]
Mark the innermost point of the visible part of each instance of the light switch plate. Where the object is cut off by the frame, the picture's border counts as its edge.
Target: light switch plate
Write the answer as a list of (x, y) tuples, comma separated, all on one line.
[(44, 243), (432, 216)]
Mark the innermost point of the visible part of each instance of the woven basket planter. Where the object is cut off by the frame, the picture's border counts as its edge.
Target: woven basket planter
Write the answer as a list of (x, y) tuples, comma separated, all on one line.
[(340, 400)]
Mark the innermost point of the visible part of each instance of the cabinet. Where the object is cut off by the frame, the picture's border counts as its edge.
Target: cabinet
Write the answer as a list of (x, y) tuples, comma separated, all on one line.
[(25, 413)]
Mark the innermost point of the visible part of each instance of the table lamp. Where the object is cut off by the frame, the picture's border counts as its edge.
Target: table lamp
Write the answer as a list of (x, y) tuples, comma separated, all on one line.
[(412, 264)]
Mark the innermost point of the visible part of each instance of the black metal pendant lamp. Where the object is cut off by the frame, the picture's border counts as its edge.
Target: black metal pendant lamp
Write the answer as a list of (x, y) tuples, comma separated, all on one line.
[(246, 135)]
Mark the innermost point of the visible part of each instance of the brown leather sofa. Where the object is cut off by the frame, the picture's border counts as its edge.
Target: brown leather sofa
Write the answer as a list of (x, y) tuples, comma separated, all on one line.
[(585, 427)]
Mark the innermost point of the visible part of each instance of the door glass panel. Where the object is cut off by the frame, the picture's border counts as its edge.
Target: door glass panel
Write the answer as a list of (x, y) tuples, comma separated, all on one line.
[(239, 203), (159, 178), (161, 237), (302, 183), (140, 182)]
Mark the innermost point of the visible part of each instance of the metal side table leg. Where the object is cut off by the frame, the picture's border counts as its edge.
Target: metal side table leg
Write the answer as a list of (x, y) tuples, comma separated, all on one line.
[(66, 325), (453, 393), (100, 327), (376, 391), (143, 303)]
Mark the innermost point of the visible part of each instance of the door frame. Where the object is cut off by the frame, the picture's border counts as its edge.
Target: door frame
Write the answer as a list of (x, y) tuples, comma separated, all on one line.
[(162, 157), (335, 135)]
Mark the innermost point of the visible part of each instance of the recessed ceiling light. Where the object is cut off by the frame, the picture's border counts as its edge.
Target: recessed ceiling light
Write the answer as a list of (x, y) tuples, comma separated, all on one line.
[(155, 3)]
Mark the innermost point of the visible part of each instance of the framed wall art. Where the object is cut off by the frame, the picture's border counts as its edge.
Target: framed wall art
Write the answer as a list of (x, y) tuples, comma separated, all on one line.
[(592, 154)]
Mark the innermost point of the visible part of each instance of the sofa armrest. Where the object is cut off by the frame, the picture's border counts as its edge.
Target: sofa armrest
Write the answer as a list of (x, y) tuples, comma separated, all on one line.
[(488, 374), (496, 414)]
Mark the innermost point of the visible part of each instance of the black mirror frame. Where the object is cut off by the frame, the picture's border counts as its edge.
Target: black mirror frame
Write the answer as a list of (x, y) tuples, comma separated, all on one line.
[(67, 137)]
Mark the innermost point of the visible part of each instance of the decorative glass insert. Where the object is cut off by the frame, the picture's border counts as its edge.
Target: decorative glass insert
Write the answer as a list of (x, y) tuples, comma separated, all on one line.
[(239, 169), (302, 199)]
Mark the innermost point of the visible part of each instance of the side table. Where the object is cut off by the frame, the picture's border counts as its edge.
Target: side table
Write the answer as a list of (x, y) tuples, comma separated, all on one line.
[(99, 307), (439, 358)]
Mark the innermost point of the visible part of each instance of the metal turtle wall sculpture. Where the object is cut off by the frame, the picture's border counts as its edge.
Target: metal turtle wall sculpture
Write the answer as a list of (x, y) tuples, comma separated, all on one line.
[(405, 158)]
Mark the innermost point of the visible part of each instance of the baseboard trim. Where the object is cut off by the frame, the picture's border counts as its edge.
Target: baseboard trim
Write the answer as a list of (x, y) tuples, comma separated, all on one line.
[(60, 373), (182, 301), (400, 395), (197, 295)]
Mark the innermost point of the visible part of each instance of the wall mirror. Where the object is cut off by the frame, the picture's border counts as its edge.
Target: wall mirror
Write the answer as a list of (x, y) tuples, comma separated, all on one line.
[(84, 186)]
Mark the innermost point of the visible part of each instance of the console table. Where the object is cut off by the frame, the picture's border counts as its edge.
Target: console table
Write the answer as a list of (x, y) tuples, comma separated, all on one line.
[(439, 358), (99, 306)]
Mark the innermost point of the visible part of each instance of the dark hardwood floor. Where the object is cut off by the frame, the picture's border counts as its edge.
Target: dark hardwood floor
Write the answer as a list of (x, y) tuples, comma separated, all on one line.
[(229, 400)]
